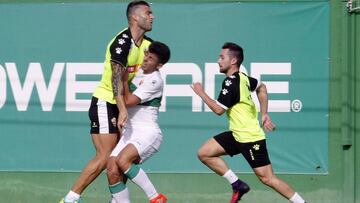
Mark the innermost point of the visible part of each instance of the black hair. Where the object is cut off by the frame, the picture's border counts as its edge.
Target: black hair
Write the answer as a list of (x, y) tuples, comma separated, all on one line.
[(132, 5), (236, 51), (161, 50)]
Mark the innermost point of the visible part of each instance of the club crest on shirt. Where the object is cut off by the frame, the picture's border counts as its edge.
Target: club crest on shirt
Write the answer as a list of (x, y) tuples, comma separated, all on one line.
[(113, 121), (131, 69)]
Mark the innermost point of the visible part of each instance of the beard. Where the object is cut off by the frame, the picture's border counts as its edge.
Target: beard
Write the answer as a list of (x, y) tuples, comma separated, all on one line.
[(147, 26), (223, 70)]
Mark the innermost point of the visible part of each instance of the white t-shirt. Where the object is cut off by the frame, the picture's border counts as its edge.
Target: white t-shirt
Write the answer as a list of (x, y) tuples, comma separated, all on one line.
[(149, 88)]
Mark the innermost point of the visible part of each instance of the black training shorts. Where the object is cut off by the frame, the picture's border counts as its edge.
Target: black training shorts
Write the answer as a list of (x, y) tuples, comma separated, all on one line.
[(103, 117), (255, 153)]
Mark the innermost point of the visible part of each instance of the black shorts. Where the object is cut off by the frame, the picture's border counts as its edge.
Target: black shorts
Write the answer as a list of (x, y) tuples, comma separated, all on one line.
[(255, 153), (103, 117)]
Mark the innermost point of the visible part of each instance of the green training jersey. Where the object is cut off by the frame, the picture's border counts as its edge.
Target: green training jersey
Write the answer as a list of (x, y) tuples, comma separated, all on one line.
[(122, 50), (235, 98)]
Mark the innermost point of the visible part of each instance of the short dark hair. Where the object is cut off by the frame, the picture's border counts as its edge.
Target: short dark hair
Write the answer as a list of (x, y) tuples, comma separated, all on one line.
[(161, 50), (132, 5), (236, 51)]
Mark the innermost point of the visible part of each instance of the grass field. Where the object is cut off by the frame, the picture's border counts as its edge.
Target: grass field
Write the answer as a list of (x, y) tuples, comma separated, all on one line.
[(44, 187)]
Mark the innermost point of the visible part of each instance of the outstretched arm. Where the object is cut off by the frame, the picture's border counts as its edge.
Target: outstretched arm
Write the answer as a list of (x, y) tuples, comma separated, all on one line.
[(262, 95), (199, 90)]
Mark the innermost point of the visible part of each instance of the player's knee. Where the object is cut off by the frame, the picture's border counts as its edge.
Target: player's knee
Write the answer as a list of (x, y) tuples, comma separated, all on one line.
[(98, 163), (264, 180), (267, 180), (123, 163), (112, 170), (102, 154), (102, 161), (202, 155)]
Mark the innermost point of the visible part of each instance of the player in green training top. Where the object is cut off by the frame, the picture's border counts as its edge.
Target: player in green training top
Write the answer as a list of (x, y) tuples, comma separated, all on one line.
[(107, 112), (246, 135)]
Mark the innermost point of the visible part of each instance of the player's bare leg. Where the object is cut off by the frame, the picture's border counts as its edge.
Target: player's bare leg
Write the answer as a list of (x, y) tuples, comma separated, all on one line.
[(104, 144), (126, 161), (209, 153), (117, 182), (267, 176)]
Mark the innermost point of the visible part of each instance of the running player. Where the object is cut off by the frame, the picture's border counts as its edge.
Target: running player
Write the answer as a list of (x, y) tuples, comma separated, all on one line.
[(246, 135)]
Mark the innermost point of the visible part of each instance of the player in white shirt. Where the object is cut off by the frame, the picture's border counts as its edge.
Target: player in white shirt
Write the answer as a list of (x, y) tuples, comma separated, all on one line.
[(141, 136)]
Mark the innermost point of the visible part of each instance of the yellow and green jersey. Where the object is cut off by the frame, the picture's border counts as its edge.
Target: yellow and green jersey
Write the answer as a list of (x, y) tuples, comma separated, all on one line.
[(122, 50), (235, 98)]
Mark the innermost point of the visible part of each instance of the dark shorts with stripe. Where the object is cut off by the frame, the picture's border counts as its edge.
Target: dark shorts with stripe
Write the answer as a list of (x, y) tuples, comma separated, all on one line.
[(255, 153), (103, 117)]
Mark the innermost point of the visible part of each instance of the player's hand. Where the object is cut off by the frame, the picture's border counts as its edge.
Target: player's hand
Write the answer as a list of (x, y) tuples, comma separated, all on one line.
[(267, 124), (123, 116), (197, 88)]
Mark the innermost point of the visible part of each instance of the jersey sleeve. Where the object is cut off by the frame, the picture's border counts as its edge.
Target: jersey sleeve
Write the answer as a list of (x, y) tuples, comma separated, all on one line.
[(230, 93), (254, 83), (149, 90), (120, 48)]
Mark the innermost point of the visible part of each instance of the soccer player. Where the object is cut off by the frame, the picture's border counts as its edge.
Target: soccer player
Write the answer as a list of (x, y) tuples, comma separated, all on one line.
[(141, 136), (107, 111), (245, 135)]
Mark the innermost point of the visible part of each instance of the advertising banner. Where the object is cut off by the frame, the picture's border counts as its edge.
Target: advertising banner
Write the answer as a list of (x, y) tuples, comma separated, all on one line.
[(51, 59)]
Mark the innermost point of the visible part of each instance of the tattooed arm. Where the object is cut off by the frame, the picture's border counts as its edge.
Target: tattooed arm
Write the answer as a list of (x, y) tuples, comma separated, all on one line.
[(118, 71)]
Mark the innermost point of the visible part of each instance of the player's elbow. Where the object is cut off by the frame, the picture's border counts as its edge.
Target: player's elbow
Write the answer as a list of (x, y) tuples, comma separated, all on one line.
[(219, 111), (129, 104), (131, 100), (261, 88)]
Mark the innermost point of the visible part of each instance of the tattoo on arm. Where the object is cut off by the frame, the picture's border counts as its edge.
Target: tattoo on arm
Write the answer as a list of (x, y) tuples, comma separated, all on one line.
[(118, 71)]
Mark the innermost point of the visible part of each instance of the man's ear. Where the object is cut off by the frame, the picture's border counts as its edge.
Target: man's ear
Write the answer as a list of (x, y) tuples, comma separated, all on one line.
[(233, 61), (134, 16)]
